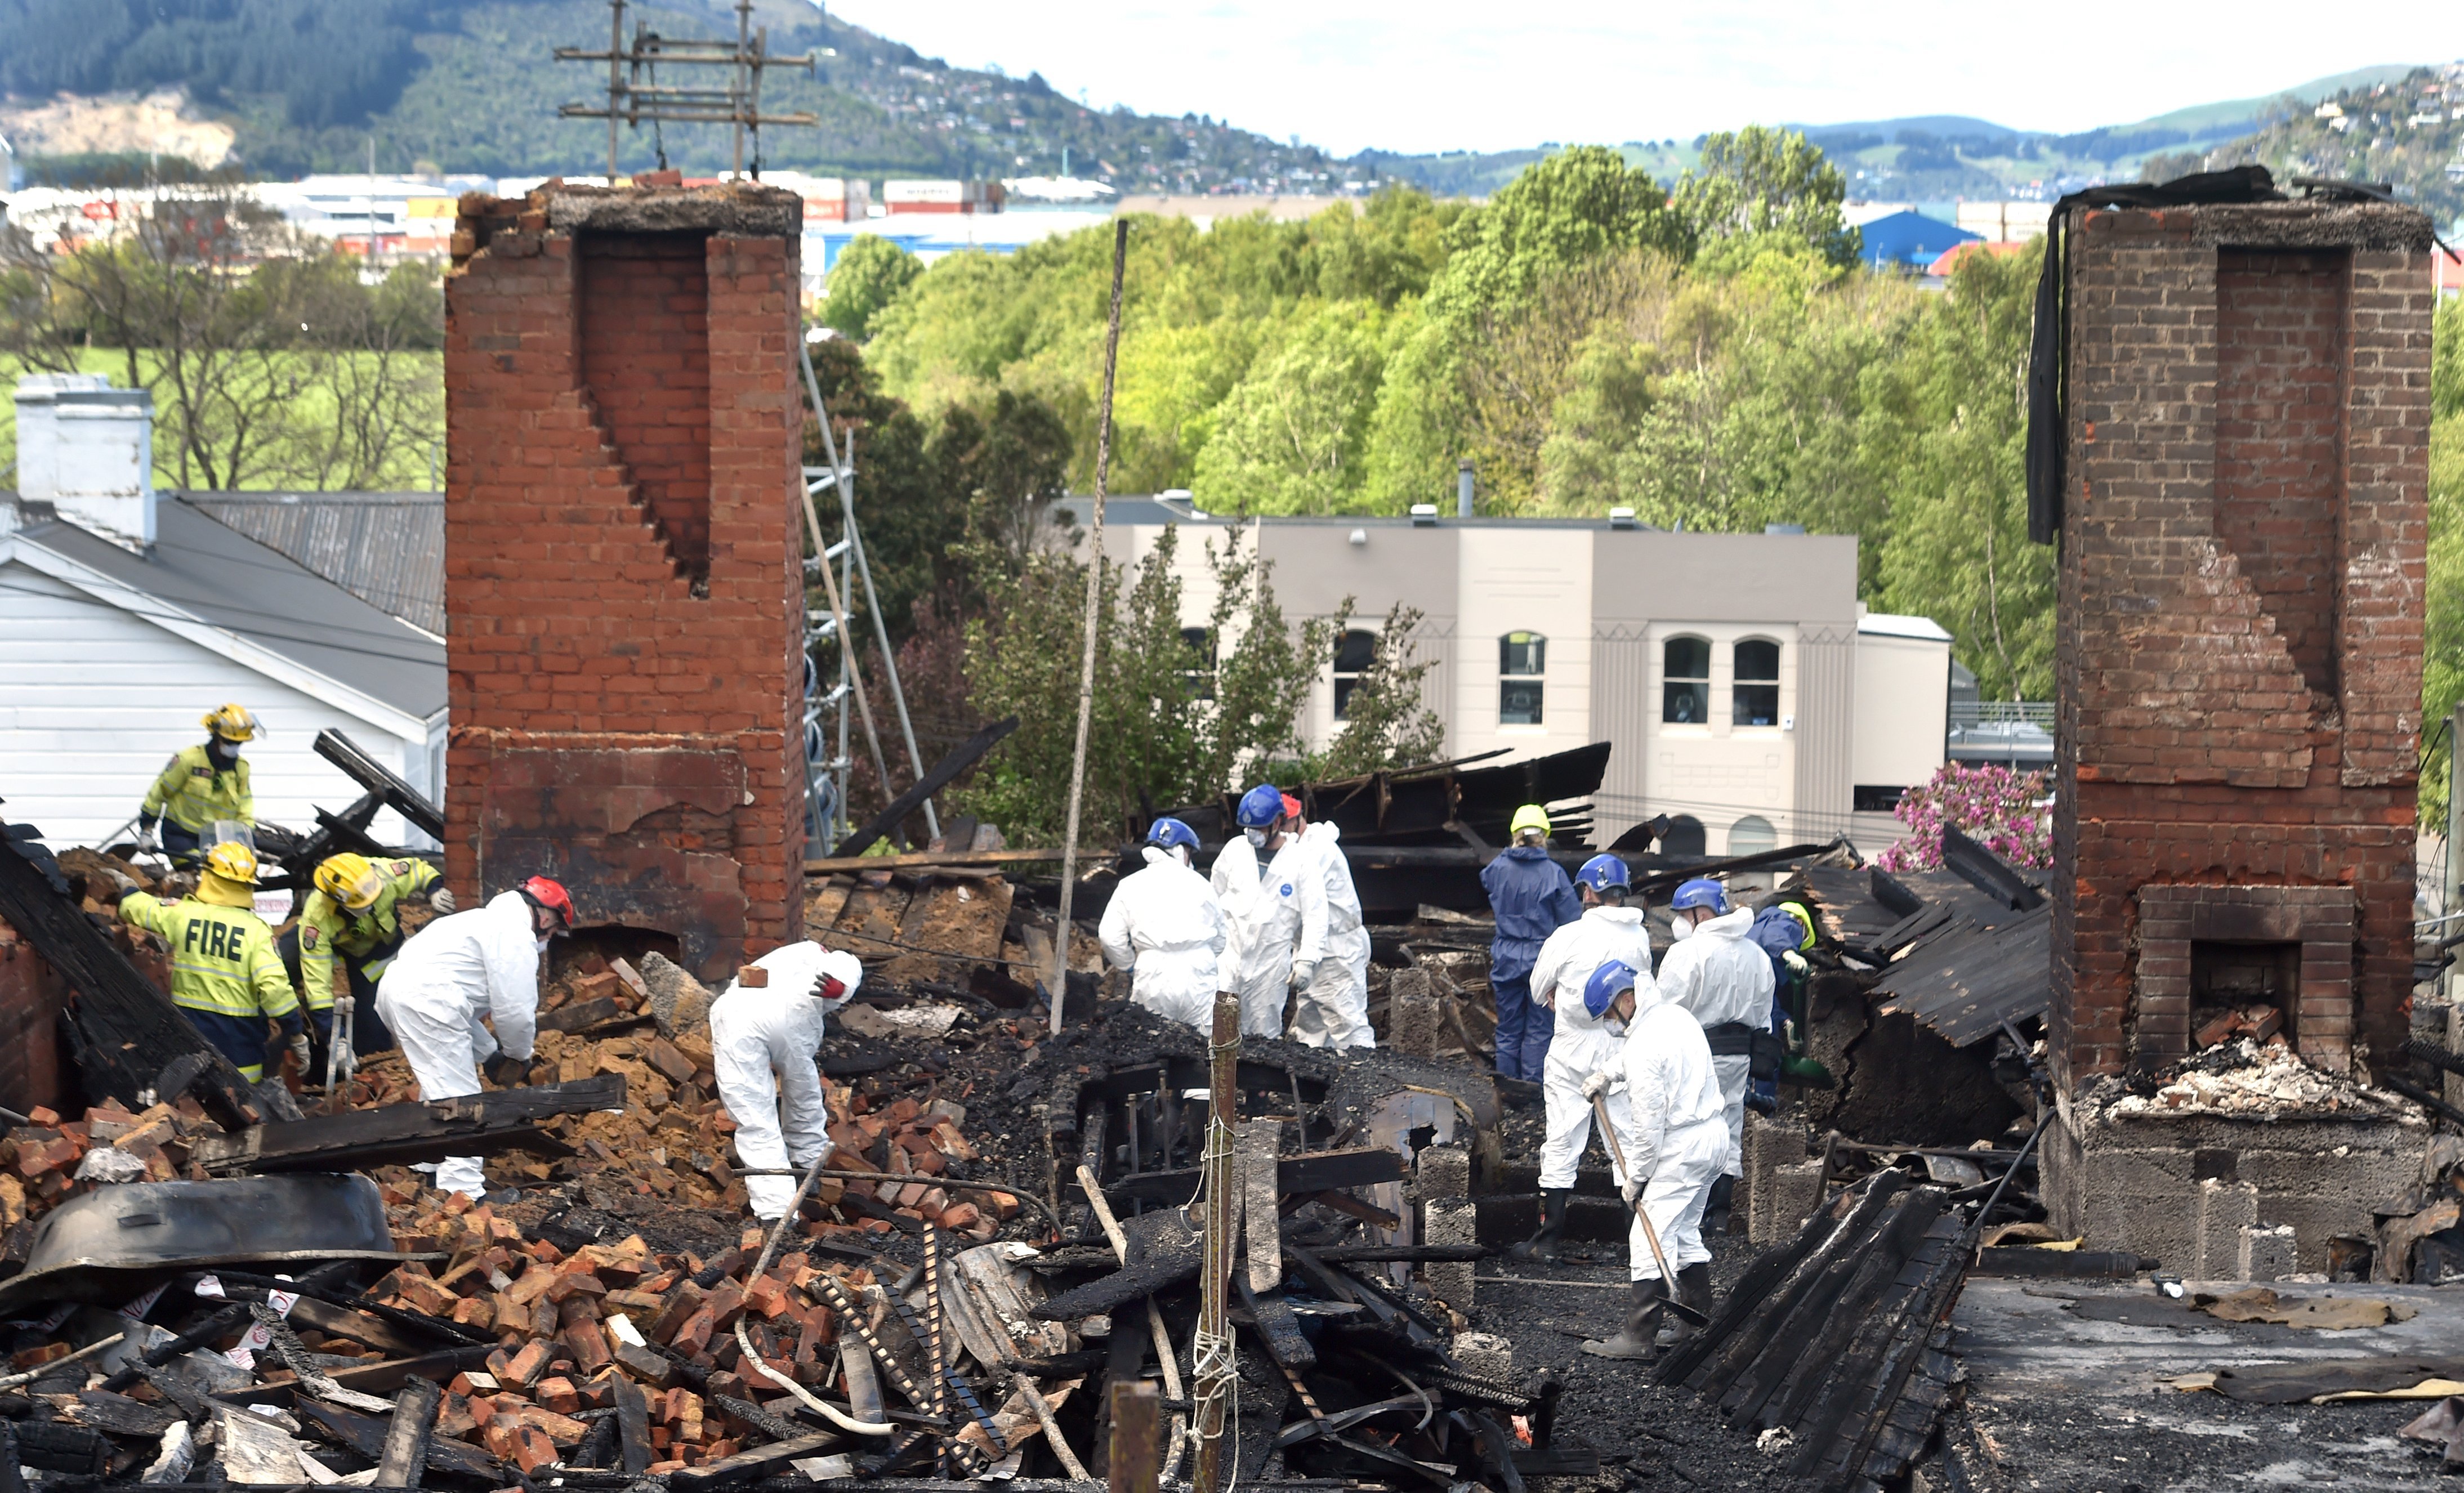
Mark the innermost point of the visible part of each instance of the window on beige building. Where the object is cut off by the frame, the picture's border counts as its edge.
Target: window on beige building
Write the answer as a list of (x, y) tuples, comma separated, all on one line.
[(1753, 835), (1522, 662), (1685, 681), (1755, 701), (1199, 673), (1354, 653)]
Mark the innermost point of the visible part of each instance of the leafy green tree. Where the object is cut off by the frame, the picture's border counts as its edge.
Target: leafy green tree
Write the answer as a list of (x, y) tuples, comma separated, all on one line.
[(1289, 438), (870, 274), (2442, 659), (1761, 183), (1949, 435), (1169, 723)]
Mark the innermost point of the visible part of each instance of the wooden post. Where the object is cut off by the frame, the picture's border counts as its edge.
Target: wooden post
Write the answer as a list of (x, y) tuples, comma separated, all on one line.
[(405, 1443), (1214, 1367), (1137, 1439), (1060, 986)]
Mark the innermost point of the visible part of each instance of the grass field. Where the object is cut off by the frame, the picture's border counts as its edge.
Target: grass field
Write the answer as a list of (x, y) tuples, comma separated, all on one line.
[(296, 400)]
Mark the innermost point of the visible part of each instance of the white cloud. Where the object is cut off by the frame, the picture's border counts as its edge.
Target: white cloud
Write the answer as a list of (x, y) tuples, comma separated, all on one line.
[(1454, 75)]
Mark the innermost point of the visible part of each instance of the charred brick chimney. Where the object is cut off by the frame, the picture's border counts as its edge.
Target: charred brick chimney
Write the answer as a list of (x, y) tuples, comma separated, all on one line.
[(2241, 581), (623, 586)]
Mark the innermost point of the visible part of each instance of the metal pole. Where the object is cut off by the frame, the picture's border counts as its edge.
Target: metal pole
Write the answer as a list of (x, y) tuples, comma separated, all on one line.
[(845, 478), (837, 615), (1095, 600), (615, 78), (2452, 1087), (1212, 1366), (736, 107)]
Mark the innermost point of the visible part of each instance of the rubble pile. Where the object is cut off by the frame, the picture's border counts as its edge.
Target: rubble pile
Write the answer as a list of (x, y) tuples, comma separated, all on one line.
[(2249, 1077)]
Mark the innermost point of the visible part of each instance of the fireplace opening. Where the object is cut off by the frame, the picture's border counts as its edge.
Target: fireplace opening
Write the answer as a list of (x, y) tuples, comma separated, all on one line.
[(2244, 989)]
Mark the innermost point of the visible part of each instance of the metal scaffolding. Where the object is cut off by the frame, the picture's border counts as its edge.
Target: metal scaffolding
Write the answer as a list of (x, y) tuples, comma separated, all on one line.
[(635, 93)]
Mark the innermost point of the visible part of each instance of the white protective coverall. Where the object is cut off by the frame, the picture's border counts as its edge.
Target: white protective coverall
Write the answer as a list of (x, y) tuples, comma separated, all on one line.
[(1333, 1010), (1164, 922), (1584, 1045), (754, 1030), (1274, 915), (1673, 1135), (447, 975), (1720, 976)]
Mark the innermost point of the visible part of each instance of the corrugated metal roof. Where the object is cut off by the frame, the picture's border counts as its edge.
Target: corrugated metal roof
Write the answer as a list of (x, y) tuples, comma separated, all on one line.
[(1967, 981), (385, 548), (211, 571)]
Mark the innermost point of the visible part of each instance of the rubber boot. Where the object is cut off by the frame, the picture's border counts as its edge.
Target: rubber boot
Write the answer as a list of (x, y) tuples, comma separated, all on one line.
[(1543, 1246), (1694, 1289), (1715, 1208), (1634, 1340)]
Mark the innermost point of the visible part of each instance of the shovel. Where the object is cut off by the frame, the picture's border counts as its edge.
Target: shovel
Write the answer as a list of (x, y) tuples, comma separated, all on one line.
[(1650, 1234)]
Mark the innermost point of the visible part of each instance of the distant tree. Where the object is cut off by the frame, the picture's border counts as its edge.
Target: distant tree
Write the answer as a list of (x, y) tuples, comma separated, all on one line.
[(1288, 439), (867, 277), (1758, 182), (270, 362)]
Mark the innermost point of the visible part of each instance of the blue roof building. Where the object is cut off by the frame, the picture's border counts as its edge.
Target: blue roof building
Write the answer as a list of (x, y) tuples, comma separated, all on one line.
[(1911, 239)]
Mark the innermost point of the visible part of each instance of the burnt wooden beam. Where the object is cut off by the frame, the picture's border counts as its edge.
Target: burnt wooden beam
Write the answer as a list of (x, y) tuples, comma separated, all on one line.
[(756, 1464), (960, 758), (633, 1426), (124, 1032), (1319, 1172), (368, 1436), (408, 1440), (474, 1125), (378, 1378)]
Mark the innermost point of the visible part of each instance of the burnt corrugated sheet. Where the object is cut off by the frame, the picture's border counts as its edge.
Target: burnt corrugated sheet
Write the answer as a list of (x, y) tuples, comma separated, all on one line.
[(1964, 982), (385, 548)]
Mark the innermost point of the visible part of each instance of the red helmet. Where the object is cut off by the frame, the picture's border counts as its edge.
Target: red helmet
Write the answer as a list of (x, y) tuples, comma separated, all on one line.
[(540, 891)]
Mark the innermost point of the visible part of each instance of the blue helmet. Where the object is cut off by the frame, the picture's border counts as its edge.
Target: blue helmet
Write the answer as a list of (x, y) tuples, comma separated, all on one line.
[(1610, 981), (1169, 832), (1702, 892), (1603, 872), (1261, 807)]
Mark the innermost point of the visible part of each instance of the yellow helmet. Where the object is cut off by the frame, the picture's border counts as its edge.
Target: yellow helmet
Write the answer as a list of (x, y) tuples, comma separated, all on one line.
[(1805, 921), (350, 880), (231, 723), (1530, 816), (232, 861)]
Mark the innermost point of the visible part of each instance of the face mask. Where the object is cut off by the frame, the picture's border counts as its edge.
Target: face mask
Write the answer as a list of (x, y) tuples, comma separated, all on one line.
[(1679, 930), (543, 942), (1257, 838), (224, 752)]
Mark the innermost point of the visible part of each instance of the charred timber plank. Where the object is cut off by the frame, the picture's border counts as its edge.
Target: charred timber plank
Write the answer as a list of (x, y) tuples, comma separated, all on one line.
[(367, 1434), (125, 1031), (1319, 1172), (381, 1378), (1278, 1326), (358, 1325), (397, 1135), (404, 1458), (1419, 1254), (633, 1426), (117, 1415), (960, 758), (1121, 1287), (1261, 1144), (755, 1464), (581, 1014), (1872, 1386), (1751, 1293), (53, 1446)]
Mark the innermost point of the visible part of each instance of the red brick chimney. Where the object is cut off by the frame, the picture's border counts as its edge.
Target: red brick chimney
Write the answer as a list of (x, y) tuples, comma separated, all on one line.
[(624, 578), (2243, 534)]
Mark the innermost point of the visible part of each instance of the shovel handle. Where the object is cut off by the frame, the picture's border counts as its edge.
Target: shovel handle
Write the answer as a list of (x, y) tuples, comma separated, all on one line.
[(1650, 1234)]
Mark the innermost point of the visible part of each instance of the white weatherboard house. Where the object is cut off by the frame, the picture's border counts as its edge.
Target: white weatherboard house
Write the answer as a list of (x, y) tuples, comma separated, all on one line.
[(125, 615)]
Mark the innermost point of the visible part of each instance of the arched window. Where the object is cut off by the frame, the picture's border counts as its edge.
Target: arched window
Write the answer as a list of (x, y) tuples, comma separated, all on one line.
[(1354, 654), (1522, 660), (1686, 685), (1756, 698), (1753, 835), (1197, 672), (1685, 837)]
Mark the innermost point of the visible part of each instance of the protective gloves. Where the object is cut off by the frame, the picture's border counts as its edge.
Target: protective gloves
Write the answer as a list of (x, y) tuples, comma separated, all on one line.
[(145, 837), (300, 1052), (1598, 1084), (1303, 970), (441, 899), (122, 883), (1632, 1191), (1795, 962)]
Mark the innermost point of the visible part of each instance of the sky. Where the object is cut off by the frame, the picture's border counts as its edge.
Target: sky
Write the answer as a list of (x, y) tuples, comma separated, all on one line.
[(1449, 74)]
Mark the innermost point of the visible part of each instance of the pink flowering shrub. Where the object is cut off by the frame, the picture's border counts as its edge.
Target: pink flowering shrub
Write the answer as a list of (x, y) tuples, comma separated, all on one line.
[(1995, 806)]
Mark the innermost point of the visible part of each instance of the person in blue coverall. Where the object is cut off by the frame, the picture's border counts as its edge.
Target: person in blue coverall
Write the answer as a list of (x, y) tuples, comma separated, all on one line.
[(1533, 897)]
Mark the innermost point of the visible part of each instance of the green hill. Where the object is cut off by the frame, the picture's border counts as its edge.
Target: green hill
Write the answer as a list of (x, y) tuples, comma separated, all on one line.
[(472, 85)]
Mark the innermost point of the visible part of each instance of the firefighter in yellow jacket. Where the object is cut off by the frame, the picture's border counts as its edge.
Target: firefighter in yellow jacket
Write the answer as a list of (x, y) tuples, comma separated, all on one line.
[(225, 975), (352, 921), (201, 786)]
